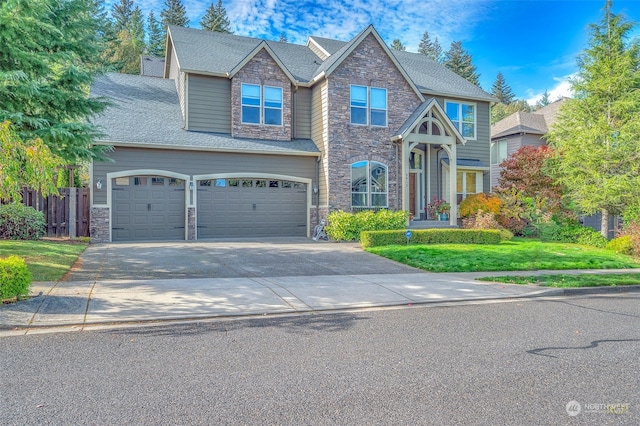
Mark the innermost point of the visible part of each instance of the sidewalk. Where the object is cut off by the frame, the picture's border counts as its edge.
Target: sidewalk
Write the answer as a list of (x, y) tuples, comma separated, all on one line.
[(76, 304)]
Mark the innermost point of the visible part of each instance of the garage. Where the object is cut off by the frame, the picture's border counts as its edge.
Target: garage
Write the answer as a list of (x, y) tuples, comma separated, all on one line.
[(148, 208), (251, 207)]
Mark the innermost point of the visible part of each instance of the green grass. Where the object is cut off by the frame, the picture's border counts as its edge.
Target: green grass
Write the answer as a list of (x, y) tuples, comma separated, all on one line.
[(47, 260), (519, 254), (570, 280)]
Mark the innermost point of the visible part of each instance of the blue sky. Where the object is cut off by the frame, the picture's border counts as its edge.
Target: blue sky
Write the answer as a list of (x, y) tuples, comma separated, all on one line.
[(534, 43)]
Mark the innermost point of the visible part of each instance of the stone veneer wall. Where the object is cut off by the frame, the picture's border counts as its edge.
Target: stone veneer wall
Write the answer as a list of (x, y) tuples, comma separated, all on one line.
[(368, 65), (191, 223), (99, 224), (263, 70)]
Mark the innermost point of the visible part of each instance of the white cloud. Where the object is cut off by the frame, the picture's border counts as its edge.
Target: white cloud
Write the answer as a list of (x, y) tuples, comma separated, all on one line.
[(562, 89)]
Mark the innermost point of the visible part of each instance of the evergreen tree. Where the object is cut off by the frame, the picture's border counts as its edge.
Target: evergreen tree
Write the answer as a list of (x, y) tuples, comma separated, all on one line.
[(215, 19), (396, 44), (596, 132), (544, 100), (500, 110), (502, 90), (283, 38), (174, 13), (136, 28), (432, 49), (45, 73), (124, 51), (458, 60), (156, 36), (121, 14)]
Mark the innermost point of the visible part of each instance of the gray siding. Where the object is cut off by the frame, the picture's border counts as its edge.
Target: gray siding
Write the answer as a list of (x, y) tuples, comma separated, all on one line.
[(197, 162), (209, 100), (302, 113), (514, 143), (319, 134)]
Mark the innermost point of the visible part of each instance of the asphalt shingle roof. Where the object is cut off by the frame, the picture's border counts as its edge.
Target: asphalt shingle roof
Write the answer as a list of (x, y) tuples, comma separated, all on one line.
[(145, 112), (538, 122), (152, 66), (217, 53)]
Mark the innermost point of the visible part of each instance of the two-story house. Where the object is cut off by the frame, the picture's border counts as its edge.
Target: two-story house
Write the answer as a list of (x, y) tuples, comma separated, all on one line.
[(248, 137)]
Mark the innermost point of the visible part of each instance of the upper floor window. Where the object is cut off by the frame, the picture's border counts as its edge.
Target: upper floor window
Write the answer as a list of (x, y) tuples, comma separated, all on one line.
[(368, 105), (261, 104), (369, 184), (498, 152), (463, 116)]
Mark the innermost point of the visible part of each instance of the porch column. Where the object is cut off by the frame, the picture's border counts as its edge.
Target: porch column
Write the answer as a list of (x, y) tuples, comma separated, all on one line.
[(404, 175), (453, 193)]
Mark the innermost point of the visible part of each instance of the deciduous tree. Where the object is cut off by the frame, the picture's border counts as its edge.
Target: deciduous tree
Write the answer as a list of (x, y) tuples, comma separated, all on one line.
[(596, 132)]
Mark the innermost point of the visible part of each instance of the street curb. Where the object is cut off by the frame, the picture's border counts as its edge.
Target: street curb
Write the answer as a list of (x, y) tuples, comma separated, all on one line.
[(551, 292)]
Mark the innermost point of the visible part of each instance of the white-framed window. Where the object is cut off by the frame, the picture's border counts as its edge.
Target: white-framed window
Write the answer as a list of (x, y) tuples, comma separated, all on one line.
[(368, 105), (498, 152), (261, 104), (468, 182), (463, 116), (369, 184)]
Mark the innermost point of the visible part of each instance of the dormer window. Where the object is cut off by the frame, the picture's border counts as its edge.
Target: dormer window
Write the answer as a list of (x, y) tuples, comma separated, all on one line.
[(368, 106), (261, 104)]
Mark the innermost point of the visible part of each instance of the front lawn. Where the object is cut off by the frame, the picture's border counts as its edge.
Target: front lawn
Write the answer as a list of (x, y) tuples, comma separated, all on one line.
[(569, 280), (519, 254), (47, 260)]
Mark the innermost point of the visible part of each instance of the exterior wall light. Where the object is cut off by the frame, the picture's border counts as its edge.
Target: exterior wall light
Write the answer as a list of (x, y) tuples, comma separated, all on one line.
[(99, 184)]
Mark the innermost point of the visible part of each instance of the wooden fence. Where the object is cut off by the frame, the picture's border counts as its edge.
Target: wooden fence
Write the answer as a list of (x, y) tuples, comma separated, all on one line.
[(59, 216)]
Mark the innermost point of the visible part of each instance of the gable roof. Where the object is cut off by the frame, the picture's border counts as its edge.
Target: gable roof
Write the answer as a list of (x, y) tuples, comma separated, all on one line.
[(219, 54), (537, 123), (150, 106), (419, 113)]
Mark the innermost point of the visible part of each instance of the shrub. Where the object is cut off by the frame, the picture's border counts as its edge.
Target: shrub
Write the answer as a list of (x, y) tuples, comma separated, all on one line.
[(621, 245), (479, 203), (486, 220), (570, 232), (348, 226), (430, 236), (632, 230), (15, 278), (19, 222)]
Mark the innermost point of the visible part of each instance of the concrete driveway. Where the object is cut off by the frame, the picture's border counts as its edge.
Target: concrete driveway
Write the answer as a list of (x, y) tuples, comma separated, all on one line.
[(233, 258)]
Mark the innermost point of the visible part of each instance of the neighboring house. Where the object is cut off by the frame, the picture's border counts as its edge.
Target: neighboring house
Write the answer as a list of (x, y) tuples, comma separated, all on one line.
[(152, 66), (248, 137), (517, 130)]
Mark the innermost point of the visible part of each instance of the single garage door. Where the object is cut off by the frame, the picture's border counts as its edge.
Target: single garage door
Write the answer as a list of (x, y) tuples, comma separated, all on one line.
[(251, 208), (148, 208)]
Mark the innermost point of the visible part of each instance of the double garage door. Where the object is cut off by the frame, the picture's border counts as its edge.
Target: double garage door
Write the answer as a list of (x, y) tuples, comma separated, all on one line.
[(251, 208), (153, 208)]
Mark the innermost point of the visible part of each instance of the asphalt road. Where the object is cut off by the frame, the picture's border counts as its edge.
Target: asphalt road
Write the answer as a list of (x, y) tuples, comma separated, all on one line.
[(501, 363)]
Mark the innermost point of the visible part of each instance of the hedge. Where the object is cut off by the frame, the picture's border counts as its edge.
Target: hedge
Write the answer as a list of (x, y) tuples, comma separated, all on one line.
[(344, 226), (15, 278), (20, 222), (430, 236)]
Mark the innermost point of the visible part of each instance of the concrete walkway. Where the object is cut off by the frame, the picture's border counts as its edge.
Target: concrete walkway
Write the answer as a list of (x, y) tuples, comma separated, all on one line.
[(131, 283)]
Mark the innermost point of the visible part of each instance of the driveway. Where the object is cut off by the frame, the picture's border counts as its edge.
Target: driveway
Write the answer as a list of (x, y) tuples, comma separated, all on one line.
[(232, 258)]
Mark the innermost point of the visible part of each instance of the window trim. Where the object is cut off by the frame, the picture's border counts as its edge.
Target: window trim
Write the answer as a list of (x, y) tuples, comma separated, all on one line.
[(460, 122), (262, 107), (368, 108), (496, 145), (369, 192)]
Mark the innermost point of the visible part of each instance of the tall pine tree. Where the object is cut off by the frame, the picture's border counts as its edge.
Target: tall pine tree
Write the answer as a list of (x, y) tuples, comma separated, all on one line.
[(215, 19), (544, 100), (174, 13), (431, 49), (121, 14), (458, 60), (48, 55), (155, 35), (596, 132), (396, 44), (502, 90)]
